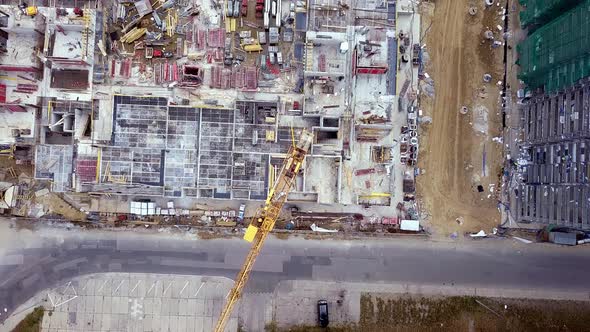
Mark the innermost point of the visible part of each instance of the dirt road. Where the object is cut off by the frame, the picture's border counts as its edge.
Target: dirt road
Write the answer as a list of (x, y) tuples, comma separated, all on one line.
[(461, 163)]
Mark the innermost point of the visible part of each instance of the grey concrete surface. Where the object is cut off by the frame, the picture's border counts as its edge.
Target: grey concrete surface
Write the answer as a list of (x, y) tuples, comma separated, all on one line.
[(48, 257), (137, 302)]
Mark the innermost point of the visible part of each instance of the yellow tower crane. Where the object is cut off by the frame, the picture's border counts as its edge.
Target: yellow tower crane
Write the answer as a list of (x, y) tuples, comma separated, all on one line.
[(265, 219)]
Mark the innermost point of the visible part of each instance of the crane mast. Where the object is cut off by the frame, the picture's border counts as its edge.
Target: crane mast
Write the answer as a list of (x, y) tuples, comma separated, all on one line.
[(265, 219)]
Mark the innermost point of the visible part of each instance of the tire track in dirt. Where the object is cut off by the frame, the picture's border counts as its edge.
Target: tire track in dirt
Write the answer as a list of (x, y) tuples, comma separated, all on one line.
[(451, 150)]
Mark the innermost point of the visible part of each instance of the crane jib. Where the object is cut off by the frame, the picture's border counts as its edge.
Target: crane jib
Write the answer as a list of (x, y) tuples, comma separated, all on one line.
[(265, 219)]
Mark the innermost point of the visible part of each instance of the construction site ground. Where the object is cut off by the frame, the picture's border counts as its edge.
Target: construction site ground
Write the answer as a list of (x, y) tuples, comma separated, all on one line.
[(460, 162), (354, 307)]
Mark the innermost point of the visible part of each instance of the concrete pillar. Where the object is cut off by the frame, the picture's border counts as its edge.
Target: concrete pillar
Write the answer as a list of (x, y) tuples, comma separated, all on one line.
[(586, 206), (552, 120), (526, 121), (567, 106), (580, 110)]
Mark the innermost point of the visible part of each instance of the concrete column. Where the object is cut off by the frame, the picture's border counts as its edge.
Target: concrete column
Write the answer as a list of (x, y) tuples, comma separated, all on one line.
[(560, 116), (586, 110), (526, 122), (539, 122), (577, 112), (567, 104), (554, 208), (526, 199), (552, 118), (556, 109), (577, 203), (586, 206)]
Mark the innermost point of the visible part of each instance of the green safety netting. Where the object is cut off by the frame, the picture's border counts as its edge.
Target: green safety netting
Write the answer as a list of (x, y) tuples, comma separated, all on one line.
[(557, 54), (539, 12)]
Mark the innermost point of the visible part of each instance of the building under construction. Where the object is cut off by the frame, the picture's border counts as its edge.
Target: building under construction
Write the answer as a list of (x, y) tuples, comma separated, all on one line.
[(552, 184), (203, 99)]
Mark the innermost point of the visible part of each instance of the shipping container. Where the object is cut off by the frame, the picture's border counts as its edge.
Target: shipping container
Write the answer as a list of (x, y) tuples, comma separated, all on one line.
[(410, 225), (273, 35), (569, 239), (266, 20), (262, 37), (237, 5)]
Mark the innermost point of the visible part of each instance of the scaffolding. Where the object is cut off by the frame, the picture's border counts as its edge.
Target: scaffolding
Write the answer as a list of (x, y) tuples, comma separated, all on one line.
[(557, 55), (538, 12), (86, 33)]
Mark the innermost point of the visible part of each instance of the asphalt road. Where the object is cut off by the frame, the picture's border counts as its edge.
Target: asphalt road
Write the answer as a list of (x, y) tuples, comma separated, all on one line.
[(31, 262)]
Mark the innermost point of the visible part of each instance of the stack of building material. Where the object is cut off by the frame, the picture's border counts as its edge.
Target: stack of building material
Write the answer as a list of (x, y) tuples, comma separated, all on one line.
[(322, 63), (170, 72), (226, 79), (371, 70), (364, 171), (143, 208), (372, 132), (171, 21), (251, 78), (15, 108), (125, 68), (239, 77), (218, 55), (86, 170), (2, 93), (158, 73), (216, 77), (26, 88), (133, 35), (201, 40), (216, 38)]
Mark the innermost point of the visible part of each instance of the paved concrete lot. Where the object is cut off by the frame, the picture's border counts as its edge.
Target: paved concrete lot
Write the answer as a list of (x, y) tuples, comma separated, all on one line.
[(137, 302)]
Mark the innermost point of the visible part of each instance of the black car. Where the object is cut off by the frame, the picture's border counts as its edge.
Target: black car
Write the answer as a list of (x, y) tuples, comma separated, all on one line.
[(323, 313)]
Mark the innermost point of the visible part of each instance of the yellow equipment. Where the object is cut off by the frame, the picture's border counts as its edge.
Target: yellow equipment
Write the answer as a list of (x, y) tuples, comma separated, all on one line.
[(252, 47), (375, 195), (31, 11), (264, 221), (7, 150)]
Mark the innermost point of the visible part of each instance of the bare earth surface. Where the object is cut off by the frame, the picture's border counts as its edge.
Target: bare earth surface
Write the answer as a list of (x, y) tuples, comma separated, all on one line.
[(457, 151)]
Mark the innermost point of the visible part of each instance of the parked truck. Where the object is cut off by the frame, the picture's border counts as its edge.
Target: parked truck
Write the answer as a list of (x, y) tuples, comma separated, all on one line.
[(241, 213)]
